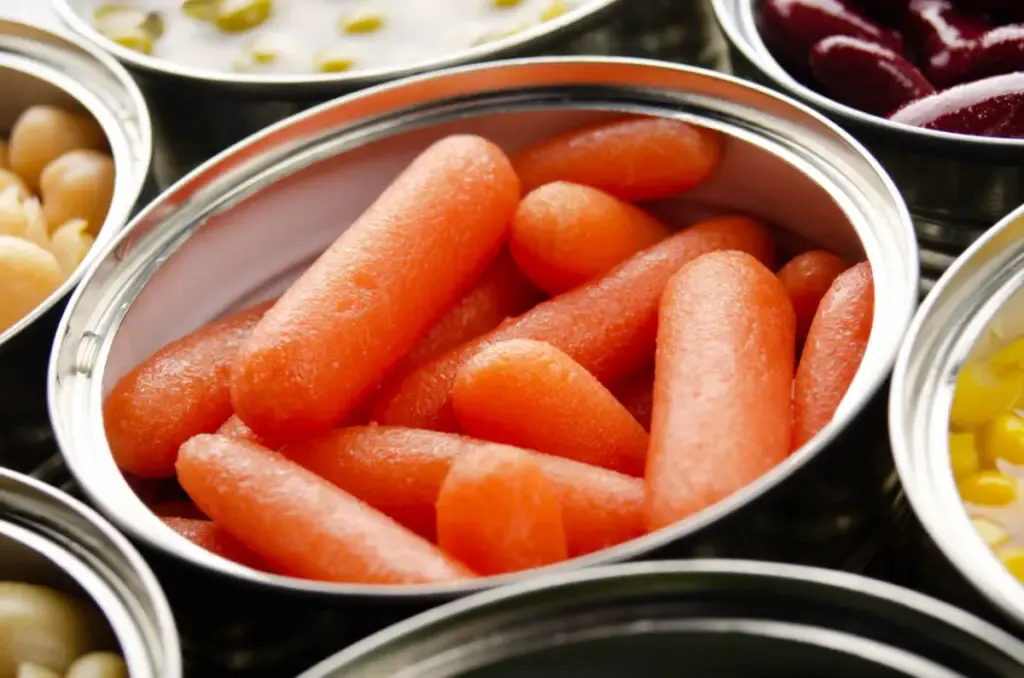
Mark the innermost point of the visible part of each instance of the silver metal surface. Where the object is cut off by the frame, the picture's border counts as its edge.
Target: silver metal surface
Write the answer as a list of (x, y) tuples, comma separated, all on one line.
[(715, 618), (980, 292), (48, 538), (40, 67), (828, 503)]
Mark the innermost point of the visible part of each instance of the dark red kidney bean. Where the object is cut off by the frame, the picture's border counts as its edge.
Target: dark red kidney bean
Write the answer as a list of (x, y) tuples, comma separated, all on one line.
[(1000, 10), (892, 12), (867, 76), (791, 28), (1000, 50), (946, 40), (993, 107)]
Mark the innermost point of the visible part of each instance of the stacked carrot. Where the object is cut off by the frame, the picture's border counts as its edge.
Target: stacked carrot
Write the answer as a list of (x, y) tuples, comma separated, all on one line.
[(412, 410)]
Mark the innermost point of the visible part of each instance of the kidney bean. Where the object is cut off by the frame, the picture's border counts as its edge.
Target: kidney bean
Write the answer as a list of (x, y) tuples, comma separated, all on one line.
[(992, 107), (791, 28), (892, 12), (946, 40), (865, 75), (1000, 50)]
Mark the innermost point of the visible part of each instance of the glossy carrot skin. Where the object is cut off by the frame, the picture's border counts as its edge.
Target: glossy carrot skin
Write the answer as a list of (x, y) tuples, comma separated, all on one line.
[(300, 523), (236, 429), (807, 278), (637, 396), (180, 391), (399, 471), (608, 325), (498, 513), (634, 159), (723, 377), (529, 394), (835, 347), (376, 291), (215, 540)]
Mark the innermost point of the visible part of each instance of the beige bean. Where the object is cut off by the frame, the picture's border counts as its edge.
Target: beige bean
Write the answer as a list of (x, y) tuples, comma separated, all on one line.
[(78, 185), (69, 245), (42, 134), (98, 665)]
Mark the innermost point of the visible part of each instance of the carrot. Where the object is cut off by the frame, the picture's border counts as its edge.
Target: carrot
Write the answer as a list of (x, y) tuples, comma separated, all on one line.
[(634, 159), (530, 394), (637, 396), (608, 325), (236, 429), (722, 384), (301, 523), (807, 278), (180, 391), (376, 291), (211, 537), (835, 346), (565, 234), (498, 513), (178, 508), (399, 471)]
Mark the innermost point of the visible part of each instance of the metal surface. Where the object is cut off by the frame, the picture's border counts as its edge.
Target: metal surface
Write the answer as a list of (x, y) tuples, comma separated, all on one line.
[(48, 538), (715, 618), (981, 291), (242, 226), (956, 185), (39, 67)]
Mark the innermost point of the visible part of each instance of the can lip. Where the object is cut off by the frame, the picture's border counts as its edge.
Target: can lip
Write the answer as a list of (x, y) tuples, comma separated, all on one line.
[(284, 83), (661, 577), (736, 18), (52, 523), (116, 103), (74, 392), (948, 325)]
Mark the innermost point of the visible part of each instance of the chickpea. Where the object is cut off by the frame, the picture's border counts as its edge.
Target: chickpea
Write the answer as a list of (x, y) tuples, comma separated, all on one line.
[(42, 134), (9, 178), (35, 671), (39, 625), (69, 245), (98, 665), (21, 217), (78, 185)]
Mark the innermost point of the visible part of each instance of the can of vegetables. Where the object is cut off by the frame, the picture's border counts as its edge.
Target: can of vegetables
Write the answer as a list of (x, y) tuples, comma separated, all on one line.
[(74, 155), (932, 87)]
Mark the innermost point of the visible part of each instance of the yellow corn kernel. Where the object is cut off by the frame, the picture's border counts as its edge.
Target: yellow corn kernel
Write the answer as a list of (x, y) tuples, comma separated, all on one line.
[(138, 40), (204, 10), (1013, 560), (506, 3), (556, 9), (1003, 438), (963, 455), (993, 534), (1009, 357), (362, 22), (981, 394), (333, 61), (235, 16), (989, 488)]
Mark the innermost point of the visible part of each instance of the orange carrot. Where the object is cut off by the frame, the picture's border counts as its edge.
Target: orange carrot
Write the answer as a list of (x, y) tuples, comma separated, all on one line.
[(301, 523), (180, 391), (498, 513), (608, 325), (236, 429), (376, 291), (399, 471), (565, 234), (633, 159), (178, 508), (530, 394), (215, 540), (835, 346), (637, 396), (722, 384), (807, 278)]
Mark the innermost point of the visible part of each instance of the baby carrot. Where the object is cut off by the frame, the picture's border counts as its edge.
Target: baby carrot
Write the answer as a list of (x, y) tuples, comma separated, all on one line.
[(835, 346), (637, 396), (215, 540), (179, 508), (530, 394), (498, 513), (634, 159), (376, 291), (399, 472), (608, 325), (180, 391), (565, 234), (301, 523), (722, 383), (236, 429), (807, 278)]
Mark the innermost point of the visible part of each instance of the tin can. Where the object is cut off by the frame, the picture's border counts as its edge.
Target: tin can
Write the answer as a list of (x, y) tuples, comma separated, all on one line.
[(50, 539), (40, 67), (707, 617), (956, 186), (978, 298)]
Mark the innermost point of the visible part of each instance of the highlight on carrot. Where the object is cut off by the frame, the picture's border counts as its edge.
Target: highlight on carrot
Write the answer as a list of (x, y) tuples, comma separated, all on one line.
[(368, 299), (807, 277), (498, 513), (180, 391), (608, 325), (634, 159), (723, 377), (399, 472), (835, 347), (529, 394), (565, 234), (302, 524), (211, 537), (236, 429), (637, 396)]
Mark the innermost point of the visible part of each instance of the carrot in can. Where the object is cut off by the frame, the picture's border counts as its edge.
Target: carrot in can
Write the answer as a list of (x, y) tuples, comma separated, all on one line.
[(807, 278)]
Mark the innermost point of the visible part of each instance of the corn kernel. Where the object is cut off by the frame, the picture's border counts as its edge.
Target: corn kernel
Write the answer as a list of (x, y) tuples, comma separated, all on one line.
[(963, 455), (981, 394), (993, 534), (138, 40), (362, 22), (989, 488), (1003, 438), (556, 9), (506, 3), (1013, 560), (1009, 357), (333, 61)]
